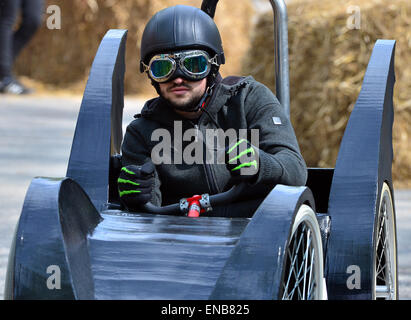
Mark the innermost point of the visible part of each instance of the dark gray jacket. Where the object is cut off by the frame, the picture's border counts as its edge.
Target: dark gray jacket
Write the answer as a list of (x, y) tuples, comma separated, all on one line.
[(239, 103)]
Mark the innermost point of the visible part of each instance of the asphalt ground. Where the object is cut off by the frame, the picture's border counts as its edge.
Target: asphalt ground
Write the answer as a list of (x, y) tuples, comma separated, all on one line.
[(36, 134)]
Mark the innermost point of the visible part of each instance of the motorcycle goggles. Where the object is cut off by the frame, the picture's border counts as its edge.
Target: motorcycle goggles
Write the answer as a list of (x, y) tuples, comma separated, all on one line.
[(193, 64)]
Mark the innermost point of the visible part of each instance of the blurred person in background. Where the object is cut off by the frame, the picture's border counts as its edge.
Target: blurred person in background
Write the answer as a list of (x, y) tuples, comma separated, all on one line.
[(13, 41)]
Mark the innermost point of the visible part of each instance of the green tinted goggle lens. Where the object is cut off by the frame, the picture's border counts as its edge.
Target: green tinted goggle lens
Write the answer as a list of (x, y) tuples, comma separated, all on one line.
[(161, 68), (195, 64)]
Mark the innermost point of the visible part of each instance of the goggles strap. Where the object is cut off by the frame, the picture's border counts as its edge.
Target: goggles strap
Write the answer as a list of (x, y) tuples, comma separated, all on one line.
[(144, 67), (203, 103), (215, 60)]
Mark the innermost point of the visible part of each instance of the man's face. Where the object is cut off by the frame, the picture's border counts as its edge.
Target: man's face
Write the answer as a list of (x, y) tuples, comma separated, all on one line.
[(183, 94)]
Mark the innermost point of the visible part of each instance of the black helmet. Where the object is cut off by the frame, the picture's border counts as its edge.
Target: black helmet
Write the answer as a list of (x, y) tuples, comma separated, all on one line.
[(178, 28)]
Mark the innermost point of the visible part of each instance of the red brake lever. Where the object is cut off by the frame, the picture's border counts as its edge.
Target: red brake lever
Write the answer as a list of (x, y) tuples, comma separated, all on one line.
[(195, 205)]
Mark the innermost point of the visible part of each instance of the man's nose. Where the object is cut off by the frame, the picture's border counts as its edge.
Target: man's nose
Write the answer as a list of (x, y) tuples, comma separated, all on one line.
[(178, 80)]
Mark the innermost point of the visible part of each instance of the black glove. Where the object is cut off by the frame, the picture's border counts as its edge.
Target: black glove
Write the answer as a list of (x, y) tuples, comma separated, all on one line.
[(241, 160), (135, 184)]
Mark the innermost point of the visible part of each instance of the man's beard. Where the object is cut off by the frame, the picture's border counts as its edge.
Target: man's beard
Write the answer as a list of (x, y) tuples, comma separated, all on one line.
[(190, 106)]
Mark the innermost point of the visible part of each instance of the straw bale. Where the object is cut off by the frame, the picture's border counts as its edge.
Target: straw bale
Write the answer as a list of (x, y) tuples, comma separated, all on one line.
[(62, 58), (327, 65)]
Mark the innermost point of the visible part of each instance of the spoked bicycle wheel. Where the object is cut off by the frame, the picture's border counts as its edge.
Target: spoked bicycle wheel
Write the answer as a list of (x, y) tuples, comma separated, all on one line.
[(303, 275), (385, 249)]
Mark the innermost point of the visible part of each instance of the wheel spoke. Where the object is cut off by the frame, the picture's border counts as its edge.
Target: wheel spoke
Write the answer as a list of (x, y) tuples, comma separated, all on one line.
[(301, 274), (310, 284), (385, 250), (380, 258), (306, 260), (293, 264), (293, 256), (302, 271)]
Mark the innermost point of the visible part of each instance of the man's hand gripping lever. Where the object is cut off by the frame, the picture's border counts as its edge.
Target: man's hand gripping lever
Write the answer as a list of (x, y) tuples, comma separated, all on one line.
[(135, 184)]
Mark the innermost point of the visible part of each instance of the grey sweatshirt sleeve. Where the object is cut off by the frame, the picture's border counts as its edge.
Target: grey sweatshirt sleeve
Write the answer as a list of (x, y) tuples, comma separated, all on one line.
[(136, 151), (279, 154)]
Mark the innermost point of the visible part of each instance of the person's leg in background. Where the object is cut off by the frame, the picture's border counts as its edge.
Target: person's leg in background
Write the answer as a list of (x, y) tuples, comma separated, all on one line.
[(31, 11), (8, 15), (32, 15)]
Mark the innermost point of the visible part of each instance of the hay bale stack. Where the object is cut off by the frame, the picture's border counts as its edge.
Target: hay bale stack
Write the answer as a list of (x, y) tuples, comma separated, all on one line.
[(328, 60), (62, 58)]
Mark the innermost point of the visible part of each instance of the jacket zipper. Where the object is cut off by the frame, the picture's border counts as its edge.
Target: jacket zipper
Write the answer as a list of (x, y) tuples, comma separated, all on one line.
[(209, 174)]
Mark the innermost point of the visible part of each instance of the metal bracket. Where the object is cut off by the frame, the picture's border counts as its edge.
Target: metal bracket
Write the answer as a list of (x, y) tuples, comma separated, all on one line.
[(184, 206), (205, 202)]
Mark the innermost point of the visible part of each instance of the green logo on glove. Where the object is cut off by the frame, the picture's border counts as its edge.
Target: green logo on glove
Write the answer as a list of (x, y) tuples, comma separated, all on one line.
[(242, 155), (121, 180)]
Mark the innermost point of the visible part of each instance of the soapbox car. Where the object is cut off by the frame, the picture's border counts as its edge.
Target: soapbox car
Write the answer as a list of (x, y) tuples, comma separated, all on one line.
[(334, 238)]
